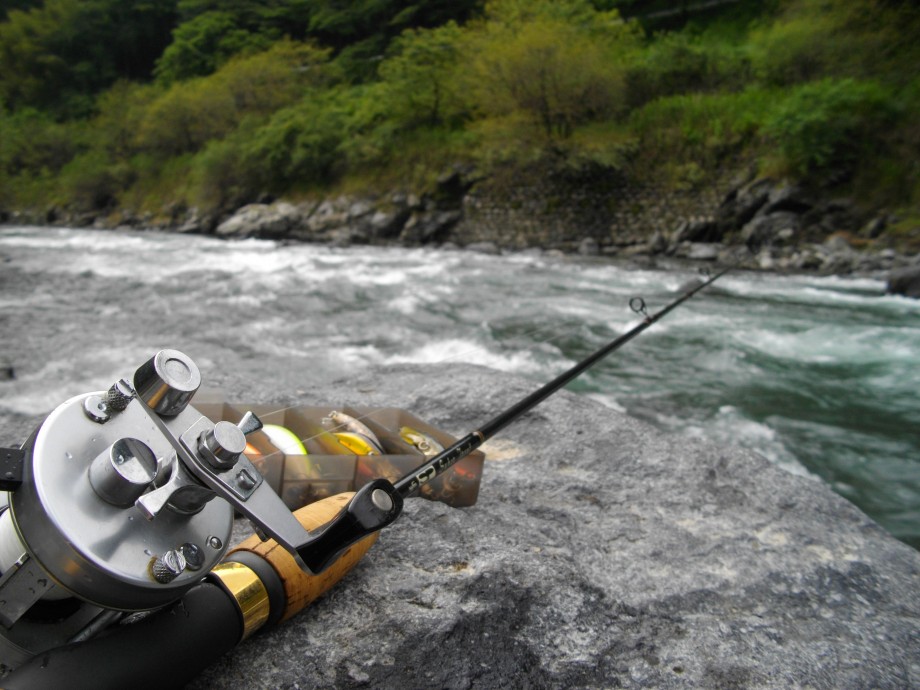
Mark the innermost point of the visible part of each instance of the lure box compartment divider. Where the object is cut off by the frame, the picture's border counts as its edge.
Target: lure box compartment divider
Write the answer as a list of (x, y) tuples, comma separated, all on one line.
[(330, 468)]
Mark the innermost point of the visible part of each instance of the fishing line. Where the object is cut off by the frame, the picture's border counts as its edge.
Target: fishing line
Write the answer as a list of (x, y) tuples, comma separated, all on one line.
[(636, 304), (444, 360), (566, 330), (410, 483)]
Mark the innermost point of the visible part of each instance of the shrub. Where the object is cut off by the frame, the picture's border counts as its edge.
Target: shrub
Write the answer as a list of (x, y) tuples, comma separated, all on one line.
[(121, 112), (31, 142), (419, 80), (682, 62), (204, 43), (186, 117), (829, 123), (699, 128), (222, 178), (91, 181), (548, 70), (837, 38), (795, 50), (189, 114)]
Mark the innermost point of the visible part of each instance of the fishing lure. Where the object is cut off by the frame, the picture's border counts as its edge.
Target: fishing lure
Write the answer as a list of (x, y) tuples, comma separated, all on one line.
[(420, 440), (359, 444), (339, 421)]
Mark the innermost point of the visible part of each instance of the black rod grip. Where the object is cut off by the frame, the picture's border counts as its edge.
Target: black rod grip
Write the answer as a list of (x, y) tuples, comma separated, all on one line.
[(165, 650)]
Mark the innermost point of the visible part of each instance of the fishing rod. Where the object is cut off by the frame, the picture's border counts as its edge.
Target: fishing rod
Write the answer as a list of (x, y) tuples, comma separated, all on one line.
[(444, 460), (92, 597)]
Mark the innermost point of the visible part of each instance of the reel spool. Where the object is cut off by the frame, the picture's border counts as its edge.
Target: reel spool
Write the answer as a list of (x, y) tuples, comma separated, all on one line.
[(111, 507)]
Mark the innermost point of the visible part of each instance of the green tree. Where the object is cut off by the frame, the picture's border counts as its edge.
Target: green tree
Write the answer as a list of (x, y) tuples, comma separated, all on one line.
[(186, 117), (316, 140), (203, 44), (31, 142), (420, 84), (57, 56), (6, 6), (275, 18), (360, 31), (121, 110), (554, 65), (684, 62), (190, 113), (830, 123), (841, 38), (262, 83), (341, 24)]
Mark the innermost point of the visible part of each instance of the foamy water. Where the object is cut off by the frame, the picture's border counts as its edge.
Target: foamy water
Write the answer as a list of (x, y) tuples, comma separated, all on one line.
[(820, 375)]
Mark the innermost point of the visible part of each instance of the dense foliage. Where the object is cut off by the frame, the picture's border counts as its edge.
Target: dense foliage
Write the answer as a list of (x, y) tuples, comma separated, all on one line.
[(144, 104)]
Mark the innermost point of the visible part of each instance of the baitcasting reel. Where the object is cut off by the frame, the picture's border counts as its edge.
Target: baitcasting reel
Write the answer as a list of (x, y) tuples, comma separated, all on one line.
[(111, 509)]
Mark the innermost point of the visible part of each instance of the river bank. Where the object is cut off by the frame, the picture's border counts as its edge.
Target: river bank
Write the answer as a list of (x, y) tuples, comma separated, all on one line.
[(758, 223)]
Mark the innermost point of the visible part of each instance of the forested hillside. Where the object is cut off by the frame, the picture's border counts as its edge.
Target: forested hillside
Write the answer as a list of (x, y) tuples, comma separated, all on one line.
[(138, 104)]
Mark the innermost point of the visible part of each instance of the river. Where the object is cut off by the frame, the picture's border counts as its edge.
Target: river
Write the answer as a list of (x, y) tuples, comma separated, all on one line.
[(818, 374)]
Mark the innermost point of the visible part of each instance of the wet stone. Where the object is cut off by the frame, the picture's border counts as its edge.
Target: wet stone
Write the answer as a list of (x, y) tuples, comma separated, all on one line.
[(601, 553)]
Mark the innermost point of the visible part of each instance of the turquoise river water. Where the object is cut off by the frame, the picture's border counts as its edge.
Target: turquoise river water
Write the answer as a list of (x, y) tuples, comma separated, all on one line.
[(819, 374)]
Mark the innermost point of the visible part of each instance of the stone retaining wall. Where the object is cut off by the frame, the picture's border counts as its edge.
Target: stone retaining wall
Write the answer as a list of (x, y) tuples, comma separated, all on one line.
[(559, 211)]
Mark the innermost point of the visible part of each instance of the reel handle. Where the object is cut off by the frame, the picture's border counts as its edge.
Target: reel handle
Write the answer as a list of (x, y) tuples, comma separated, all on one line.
[(333, 557)]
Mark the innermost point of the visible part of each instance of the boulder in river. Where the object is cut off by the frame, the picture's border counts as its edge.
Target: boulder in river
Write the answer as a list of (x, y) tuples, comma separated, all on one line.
[(261, 220), (602, 553), (905, 281)]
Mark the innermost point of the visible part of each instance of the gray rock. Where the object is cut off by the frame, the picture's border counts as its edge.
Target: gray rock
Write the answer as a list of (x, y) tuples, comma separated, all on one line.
[(791, 199), (703, 252), (346, 236), (875, 227), (806, 260), (601, 554), (658, 242), (261, 220), (387, 225), (425, 227), (483, 248), (589, 247), (837, 243), (697, 230), (194, 222), (905, 281), (741, 204), (767, 230), (638, 250), (360, 208), (327, 216)]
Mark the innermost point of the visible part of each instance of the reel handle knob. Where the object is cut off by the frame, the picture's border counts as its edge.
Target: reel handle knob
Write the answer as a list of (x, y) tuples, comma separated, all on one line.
[(167, 382), (222, 445)]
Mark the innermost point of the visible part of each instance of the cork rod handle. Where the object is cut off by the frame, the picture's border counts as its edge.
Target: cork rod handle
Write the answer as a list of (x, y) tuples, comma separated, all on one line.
[(300, 588)]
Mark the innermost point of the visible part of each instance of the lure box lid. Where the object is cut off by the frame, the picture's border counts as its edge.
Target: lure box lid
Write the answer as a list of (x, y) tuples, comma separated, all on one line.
[(330, 468)]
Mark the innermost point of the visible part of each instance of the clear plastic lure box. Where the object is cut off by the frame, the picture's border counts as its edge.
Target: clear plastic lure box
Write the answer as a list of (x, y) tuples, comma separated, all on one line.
[(329, 467)]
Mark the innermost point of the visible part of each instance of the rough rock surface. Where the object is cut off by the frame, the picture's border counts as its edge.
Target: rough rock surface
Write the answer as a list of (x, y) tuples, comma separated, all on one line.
[(601, 554)]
